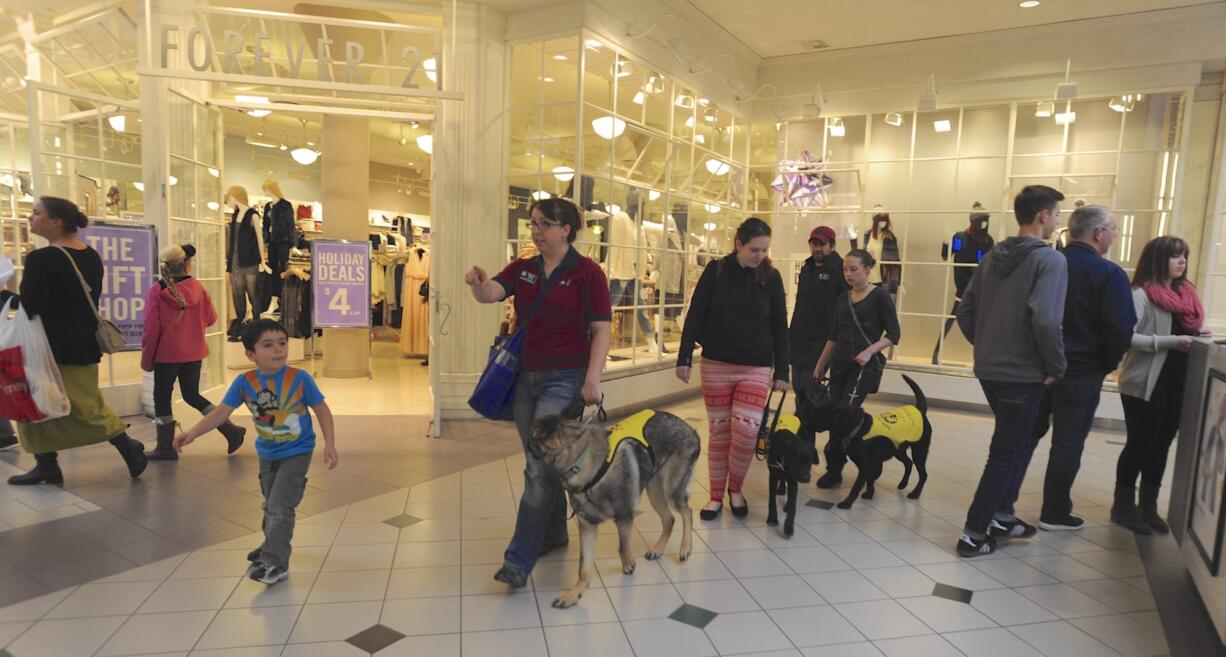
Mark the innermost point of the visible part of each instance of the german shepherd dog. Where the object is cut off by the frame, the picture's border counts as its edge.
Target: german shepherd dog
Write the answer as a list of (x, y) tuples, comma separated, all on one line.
[(606, 481), (869, 445), (789, 459)]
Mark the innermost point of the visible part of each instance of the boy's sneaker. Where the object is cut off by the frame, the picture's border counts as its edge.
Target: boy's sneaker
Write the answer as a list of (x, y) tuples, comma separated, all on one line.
[(1015, 528), (7, 441), (969, 546), (254, 555), (1067, 523), (268, 573)]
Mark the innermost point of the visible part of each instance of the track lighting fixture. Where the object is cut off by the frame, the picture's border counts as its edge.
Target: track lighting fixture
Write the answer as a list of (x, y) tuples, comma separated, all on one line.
[(894, 119), (1067, 90), (928, 101), (813, 108)]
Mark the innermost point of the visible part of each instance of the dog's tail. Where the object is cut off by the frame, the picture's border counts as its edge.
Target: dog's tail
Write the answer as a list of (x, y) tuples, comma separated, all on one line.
[(920, 400)]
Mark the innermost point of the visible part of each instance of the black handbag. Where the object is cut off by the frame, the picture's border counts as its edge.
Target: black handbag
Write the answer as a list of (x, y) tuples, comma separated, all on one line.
[(424, 290)]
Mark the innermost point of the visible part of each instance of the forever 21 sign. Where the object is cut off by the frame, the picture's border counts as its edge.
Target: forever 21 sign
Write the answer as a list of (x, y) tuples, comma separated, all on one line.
[(200, 54)]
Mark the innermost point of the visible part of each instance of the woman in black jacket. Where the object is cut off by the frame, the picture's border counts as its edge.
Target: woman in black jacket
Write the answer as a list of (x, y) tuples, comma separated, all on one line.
[(50, 289), (853, 352), (738, 315)]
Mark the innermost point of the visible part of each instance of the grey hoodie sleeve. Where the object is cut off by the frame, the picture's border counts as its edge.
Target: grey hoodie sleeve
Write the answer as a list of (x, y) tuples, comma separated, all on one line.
[(1046, 304)]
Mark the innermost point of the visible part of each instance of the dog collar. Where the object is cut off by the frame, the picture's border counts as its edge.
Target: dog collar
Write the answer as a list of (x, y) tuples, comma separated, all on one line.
[(574, 469)]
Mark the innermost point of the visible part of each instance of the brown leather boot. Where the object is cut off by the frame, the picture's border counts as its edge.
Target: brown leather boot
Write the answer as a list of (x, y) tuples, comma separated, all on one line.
[(1148, 509), (165, 450), (234, 435)]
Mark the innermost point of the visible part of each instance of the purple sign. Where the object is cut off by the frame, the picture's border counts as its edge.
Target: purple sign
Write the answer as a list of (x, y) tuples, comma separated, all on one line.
[(340, 273), (129, 254)]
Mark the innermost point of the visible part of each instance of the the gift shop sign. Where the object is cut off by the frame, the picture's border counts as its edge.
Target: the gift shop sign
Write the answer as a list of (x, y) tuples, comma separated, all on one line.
[(340, 273), (129, 255)]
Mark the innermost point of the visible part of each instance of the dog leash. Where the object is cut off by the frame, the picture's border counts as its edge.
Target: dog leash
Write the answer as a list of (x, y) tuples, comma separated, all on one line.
[(764, 432)]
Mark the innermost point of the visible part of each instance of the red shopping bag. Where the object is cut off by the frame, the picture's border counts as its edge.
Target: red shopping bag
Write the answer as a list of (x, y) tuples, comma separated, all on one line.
[(16, 402), (31, 388)]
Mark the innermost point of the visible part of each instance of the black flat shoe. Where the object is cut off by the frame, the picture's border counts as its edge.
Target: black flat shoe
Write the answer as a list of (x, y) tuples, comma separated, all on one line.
[(710, 514), (739, 511)]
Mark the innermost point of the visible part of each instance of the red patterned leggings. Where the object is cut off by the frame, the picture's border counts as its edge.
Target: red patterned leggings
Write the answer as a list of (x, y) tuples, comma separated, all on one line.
[(735, 395)]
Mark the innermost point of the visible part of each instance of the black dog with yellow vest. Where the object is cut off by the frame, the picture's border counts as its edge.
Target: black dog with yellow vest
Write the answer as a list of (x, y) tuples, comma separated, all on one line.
[(871, 440)]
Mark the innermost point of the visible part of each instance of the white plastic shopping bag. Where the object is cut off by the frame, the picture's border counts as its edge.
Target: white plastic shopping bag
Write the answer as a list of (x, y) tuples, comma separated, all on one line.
[(31, 389)]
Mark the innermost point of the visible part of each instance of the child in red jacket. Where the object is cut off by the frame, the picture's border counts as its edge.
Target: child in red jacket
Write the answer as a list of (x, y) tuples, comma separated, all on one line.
[(177, 312)]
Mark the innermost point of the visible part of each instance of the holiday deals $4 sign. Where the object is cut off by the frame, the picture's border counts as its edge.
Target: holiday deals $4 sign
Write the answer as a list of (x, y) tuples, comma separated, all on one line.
[(340, 272)]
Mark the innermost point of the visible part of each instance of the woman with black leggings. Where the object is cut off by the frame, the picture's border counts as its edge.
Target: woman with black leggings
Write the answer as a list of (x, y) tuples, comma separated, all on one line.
[(1169, 315), (177, 312)]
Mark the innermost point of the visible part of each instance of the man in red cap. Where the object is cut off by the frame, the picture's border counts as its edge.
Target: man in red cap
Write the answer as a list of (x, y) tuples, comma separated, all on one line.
[(818, 287)]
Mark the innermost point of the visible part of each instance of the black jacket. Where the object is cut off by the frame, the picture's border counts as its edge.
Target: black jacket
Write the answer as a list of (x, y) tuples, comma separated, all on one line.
[(1098, 313), (248, 248), (966, 251), (51, 290), (279, 226), (817, 289), (737, 319)]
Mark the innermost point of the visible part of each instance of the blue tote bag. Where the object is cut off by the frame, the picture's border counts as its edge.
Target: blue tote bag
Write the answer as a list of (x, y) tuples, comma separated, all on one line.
[(494, 396)]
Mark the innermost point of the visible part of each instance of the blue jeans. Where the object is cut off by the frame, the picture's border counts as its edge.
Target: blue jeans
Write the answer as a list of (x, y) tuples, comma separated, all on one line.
[(1016, 407), (542, 508), (1068, 407)]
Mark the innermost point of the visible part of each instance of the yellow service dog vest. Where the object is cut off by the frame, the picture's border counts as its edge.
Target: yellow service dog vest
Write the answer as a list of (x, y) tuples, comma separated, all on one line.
[(901, 425), (631, 428), (789, 423)]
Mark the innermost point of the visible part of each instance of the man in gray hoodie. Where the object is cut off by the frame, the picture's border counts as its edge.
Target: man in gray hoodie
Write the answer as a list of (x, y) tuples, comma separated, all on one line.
[(1012, 312)]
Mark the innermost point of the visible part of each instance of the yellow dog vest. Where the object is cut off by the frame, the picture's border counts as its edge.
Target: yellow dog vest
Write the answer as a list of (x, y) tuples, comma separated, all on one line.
[(901, 425), (789, 423), (631, 428)]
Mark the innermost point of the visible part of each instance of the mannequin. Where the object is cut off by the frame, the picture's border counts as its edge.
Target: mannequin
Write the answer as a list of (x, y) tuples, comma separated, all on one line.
[(244, 258), (279, 232), (968, 247), (587, 242), (881, 241), (623, 268)]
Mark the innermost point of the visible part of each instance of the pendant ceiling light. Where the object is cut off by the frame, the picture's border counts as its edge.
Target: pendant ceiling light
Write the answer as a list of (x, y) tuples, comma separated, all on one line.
[(1124, 103), (836, 127), (426, 143), (1044, 109), (431, 66), (1067, 90), (710, 226), (609, 127), (652, 195), (304, 155), (813, 108), (402, 140), (540, 195), (712, 208), (565, 174), (118, 122), (718, 167)]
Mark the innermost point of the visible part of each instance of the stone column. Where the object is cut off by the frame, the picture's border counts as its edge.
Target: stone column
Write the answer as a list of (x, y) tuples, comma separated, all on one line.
[(468, 204), (345, 185)]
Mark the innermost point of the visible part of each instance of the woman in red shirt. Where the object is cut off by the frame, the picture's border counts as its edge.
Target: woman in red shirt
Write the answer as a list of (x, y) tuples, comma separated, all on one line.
[(177, 312), (564, 351)]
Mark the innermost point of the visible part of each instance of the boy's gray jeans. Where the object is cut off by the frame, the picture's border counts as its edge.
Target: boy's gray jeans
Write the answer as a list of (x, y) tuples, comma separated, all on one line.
[(282, 483)]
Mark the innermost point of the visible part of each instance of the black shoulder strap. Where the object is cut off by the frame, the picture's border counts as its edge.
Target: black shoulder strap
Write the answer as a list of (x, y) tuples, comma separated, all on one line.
[(540, 299)]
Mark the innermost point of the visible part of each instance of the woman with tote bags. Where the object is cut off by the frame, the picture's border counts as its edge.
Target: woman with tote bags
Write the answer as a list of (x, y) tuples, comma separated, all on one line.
[(55, 286)]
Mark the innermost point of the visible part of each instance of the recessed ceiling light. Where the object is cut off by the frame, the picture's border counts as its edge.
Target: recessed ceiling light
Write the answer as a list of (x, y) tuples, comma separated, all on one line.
[(594, 44), (942, 125), (547, 79), (560, 57), (1029, 4)]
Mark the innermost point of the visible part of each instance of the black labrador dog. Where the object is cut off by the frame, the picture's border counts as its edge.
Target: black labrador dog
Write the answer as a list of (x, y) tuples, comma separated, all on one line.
[(871, 440), (789, 458)]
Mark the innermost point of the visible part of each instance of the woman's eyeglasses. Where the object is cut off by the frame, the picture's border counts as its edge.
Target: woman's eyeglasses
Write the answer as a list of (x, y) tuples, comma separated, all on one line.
[(543, 225)]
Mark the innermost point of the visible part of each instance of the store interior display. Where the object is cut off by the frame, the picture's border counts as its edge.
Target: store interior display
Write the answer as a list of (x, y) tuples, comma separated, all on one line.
[(245, 260), (280, 233)]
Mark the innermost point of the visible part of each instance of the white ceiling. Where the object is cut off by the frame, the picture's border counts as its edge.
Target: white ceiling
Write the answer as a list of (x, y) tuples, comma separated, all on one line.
[(775, 28)]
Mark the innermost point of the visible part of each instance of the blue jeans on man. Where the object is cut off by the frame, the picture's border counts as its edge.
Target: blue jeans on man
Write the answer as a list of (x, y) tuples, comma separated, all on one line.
[(1068, 407), (542, 507), (1016, 407)]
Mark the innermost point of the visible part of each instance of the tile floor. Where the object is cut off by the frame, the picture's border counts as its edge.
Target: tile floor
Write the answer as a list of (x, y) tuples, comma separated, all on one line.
[(407, 571)]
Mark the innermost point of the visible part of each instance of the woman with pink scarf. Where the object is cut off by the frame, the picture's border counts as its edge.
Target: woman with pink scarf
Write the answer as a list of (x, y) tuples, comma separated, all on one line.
[(1169, 316)]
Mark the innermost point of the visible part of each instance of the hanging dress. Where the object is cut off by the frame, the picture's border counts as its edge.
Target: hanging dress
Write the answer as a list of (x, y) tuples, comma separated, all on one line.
[(415, 322)]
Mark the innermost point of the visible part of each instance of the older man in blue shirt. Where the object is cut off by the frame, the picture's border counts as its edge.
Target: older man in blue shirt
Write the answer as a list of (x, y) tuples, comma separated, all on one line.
[(1098, 323)]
